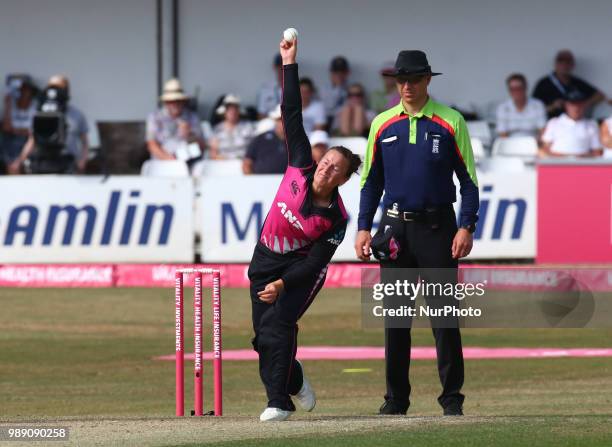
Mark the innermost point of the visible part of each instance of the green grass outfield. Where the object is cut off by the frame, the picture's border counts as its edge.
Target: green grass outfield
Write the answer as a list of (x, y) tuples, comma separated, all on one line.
[(83, 358)]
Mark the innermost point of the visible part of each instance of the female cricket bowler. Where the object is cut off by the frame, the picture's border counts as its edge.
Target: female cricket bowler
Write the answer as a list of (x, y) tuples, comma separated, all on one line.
[(302, 230)]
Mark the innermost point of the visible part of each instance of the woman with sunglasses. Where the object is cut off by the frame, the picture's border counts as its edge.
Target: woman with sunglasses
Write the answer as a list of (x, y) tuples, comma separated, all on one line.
[(354, 117)]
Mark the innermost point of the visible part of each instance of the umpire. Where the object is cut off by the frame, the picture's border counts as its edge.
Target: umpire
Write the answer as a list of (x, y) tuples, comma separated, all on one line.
[(413, 150)]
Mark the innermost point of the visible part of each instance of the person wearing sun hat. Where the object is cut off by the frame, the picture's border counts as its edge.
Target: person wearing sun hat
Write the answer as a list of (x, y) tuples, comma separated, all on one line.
[(413, 150), (232, 135), (173, 125)]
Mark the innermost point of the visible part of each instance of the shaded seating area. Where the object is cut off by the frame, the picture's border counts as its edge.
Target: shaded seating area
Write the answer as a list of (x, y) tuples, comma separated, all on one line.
[(123, 148)]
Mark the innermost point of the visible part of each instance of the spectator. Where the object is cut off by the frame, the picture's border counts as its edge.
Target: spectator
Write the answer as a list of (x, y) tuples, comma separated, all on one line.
[(173, 127), (520, 115), (334, 94), (267, 153), (269, 94), (19, 109), (231, 136), (313, 111), (554, 89), (571, 133), (605, 134), (319, 142), (388, 97), (354, 117), (76, 144)]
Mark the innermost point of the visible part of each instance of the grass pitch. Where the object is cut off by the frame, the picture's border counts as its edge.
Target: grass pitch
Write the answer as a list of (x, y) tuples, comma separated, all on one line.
[(83, 358)]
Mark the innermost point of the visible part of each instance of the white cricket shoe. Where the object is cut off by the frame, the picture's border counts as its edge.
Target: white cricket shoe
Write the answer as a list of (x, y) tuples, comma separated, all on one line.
[(306, 396), (272, 414)]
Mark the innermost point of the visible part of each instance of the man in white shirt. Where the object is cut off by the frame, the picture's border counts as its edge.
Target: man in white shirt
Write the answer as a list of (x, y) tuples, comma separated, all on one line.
[(571, 134), (520, 115)]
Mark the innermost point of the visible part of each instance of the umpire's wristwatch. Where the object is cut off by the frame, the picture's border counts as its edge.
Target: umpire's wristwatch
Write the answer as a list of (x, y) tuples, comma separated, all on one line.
[(471, 228)]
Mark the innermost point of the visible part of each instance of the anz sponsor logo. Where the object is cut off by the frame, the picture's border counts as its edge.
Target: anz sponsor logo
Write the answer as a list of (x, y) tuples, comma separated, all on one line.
[(293, 220), (116, 223)]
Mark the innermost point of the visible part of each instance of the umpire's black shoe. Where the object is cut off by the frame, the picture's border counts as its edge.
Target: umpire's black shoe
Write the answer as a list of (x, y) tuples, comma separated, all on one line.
[(389, 408), (453, 409)]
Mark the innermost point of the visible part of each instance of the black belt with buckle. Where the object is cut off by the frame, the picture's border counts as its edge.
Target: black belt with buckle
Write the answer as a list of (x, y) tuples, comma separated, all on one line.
[(407, 216), (427, 215)]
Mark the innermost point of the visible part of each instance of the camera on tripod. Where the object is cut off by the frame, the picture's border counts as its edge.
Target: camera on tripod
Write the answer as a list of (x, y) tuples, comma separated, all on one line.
[(49, 130)]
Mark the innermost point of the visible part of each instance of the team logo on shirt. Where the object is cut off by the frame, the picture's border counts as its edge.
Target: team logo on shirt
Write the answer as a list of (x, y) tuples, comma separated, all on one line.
[(337, 238), (295, 189), (435, 143), (293, 220)]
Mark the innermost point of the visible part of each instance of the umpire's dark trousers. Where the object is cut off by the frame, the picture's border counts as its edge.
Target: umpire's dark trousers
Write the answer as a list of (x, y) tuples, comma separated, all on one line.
[(423, 245)]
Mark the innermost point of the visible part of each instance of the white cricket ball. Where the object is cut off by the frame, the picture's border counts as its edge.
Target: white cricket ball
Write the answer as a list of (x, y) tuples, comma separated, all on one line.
[(289, 34)]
